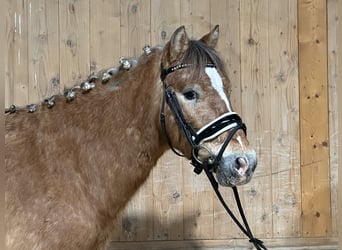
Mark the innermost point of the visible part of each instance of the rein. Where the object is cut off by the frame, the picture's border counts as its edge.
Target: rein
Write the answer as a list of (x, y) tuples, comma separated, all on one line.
[(228, 121)]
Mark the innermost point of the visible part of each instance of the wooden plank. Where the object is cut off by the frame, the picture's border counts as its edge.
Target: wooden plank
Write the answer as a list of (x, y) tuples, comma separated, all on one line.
[(135, 26), (195, 16), (256, 110), (333, 47), (168, 198), (43, 54), (167, 175), (236, 244), (3, 60), (104, 34), (18, 64), (137, 219), (339, 89), (227, 14), (314, 141), (74, 41), (165, 20), (286, 206), (198, 194), (9, 55)]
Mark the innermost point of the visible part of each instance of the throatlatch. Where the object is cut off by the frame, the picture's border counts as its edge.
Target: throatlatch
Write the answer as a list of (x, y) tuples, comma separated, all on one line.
[(230, 121)]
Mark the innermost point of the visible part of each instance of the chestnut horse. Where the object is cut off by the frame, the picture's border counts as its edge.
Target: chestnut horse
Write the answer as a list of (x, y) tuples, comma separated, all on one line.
[(75, 160)]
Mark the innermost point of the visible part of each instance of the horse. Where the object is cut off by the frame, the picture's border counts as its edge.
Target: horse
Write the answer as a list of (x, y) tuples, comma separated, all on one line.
[(74, 160)]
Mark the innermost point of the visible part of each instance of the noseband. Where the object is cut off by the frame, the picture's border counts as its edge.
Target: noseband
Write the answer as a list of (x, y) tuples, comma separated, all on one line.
[(229, 121)]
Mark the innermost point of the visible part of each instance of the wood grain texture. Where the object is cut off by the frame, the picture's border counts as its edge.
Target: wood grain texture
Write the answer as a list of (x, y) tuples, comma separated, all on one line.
[(19, 52), (316, 213), (168, 202), (43, 54), (334, 108), (339, 223), (284, 102), (9, 43), (235, 244), (105, 27), (74, 42), (135, 26), (165, 19)]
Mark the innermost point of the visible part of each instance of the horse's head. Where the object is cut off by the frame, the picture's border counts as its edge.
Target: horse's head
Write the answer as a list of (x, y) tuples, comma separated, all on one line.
[(199, 119)]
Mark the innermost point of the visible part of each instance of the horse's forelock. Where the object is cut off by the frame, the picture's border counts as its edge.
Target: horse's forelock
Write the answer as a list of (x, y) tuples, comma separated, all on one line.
[(198, 55)]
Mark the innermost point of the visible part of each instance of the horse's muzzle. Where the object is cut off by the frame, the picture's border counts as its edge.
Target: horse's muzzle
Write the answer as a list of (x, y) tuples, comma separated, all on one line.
[(236, 168)]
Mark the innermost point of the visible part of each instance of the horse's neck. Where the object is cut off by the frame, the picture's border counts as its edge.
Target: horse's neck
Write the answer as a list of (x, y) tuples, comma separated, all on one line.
[(127, 130)]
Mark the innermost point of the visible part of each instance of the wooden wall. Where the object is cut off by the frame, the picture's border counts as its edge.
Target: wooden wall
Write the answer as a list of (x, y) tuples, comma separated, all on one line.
[(281, 57)]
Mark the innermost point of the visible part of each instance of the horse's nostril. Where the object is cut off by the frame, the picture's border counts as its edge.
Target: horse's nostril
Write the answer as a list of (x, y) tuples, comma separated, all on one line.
[(241, 162)]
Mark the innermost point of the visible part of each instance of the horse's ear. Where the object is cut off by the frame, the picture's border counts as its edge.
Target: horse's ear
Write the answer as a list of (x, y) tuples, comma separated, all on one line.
[(179, 43), (212, 37)]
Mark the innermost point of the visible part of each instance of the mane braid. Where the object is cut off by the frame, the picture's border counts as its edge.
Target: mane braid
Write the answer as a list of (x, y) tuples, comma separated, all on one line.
[(100, 81), (198, 55)]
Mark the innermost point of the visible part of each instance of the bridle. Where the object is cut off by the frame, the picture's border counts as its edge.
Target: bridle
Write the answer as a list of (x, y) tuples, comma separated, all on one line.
[(229, 122)]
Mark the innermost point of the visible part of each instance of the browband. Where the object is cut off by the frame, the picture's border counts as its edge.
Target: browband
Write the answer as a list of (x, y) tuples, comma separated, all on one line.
[(164, 72)]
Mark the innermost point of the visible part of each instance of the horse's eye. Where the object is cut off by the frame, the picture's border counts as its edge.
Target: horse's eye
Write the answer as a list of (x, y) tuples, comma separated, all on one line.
[(191, 94)]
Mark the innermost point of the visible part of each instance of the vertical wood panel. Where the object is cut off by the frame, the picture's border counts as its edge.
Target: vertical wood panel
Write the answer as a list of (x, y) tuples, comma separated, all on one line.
[(43, 54), (256, 109), (283, 51), (226, 13), (316, 213), (135, 26), (198, 195), (9, 56), (165, 19), (333, 48), (19, 53), (195, 16), (74, 41), (339, 226), (168, 198), (167, 175), (104, 34)]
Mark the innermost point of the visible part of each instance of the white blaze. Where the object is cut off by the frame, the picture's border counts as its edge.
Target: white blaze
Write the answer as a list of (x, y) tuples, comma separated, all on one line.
[(216, 82)]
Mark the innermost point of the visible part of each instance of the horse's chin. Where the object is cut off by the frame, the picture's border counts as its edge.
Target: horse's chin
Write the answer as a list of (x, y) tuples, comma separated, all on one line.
[(230, 180)]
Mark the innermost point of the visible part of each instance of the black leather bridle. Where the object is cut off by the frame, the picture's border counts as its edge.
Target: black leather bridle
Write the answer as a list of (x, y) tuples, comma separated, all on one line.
[(230, 122)]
